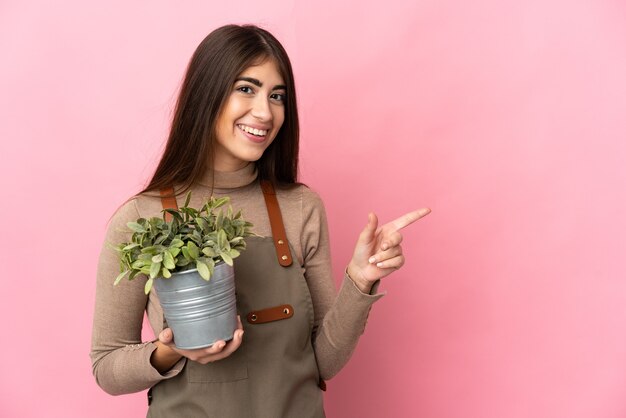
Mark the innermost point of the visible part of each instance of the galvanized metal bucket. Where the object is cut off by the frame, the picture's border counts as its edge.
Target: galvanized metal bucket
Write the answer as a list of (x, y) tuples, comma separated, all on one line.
[(199, 312)]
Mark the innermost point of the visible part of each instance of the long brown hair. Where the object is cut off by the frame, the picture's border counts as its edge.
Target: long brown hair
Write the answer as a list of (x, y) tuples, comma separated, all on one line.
[(219, 59)]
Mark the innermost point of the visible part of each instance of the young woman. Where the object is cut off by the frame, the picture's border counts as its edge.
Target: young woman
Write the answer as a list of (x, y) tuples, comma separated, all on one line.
[(235, 128)]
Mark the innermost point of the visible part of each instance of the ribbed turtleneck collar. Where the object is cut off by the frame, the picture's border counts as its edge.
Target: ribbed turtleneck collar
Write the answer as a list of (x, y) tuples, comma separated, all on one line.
[(230, 179)]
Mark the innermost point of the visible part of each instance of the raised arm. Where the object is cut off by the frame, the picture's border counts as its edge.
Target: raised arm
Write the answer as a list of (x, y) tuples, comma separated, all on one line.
[(340, 318)]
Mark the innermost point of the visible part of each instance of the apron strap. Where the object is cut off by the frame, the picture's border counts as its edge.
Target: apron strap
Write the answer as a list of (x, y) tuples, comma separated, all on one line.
[(168, 200), (276, 222)]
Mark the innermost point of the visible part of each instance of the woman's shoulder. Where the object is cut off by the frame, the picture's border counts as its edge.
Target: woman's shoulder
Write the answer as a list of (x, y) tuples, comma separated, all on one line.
[(307, 198), (143, 205), (149, 204)]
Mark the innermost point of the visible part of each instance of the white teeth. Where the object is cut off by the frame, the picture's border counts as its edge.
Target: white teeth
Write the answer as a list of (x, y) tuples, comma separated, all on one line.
[(253, 131)]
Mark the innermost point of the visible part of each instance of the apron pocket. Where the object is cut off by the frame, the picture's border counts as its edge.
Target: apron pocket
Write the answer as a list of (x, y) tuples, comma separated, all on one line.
[(230, 369)]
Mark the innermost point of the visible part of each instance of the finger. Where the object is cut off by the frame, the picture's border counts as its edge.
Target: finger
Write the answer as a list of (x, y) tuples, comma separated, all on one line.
[(231, 346), (166, 336), (386, 255), (235, 342), (408, 218), (392, 263), (392, 239), (216, 347), (206, 355), (368, 234), (237, 338)]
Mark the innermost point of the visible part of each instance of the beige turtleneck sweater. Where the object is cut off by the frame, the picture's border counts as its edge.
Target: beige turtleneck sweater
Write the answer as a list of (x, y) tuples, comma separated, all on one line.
[(121, 361)]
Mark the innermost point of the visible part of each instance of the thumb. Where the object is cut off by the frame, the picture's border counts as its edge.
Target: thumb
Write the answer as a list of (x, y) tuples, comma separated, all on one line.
[(165, 336), (369, 233)]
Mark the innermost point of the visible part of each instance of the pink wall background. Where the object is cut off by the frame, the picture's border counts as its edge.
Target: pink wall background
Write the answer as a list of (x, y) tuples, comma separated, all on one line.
[(506, 118)]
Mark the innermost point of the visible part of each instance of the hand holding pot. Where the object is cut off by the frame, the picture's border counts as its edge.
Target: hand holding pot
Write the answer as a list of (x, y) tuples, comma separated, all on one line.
[(167, 354), (378, 252)]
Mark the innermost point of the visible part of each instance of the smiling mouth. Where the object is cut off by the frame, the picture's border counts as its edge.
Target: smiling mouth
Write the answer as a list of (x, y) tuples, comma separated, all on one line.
[(253, 131)]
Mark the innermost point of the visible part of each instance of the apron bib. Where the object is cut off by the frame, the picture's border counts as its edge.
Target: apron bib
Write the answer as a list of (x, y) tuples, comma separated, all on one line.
[(274, 373)]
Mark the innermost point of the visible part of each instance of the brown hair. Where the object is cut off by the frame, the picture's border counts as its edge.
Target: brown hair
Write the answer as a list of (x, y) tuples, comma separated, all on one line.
[(219, 59)]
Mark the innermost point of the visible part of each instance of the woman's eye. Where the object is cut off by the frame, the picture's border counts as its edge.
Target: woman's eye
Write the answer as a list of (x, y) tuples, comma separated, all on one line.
[(245, 89), (279, 97)]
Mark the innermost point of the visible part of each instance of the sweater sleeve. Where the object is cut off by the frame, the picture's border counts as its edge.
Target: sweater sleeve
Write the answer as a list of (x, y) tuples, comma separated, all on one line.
[(339, 318), (120, 360)]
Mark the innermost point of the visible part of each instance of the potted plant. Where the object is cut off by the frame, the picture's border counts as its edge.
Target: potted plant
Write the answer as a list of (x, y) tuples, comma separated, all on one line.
[(189, 261)]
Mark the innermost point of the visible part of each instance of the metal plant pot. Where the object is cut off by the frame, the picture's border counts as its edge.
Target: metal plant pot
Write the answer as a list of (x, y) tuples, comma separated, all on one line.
[(199, 312)]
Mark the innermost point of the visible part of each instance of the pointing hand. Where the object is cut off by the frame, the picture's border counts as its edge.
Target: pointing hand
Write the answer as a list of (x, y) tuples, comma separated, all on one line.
[(378, 252)]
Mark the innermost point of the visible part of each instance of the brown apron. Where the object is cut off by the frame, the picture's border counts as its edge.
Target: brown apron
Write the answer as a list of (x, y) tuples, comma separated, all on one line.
[(274, 372)]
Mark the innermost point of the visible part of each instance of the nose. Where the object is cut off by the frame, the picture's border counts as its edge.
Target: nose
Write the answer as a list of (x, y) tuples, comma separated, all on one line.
[(261, 109)]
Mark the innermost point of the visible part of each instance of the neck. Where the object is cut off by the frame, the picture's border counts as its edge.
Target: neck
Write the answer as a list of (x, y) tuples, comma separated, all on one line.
[(230, 179)]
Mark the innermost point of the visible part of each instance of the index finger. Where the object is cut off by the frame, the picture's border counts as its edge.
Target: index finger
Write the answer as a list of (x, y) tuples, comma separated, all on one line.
[(407, 219)]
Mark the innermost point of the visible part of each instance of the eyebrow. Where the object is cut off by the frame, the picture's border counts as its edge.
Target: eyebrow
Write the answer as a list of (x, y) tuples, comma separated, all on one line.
[(259, 84)]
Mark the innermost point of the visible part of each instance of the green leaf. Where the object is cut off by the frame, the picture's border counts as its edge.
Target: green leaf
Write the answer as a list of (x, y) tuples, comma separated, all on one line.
[(202, 223), (175, 225), (221, 239), (234, 253), (197, 237), (186, 253), (176, 216), (157, 258), (187, 199), (227, 258), (166, 273), (203, 269), (219, 221), (182, 262), (149, 250), (137, 264), (159, 240), (156, 223), (168, 260), (210, 238), (221, 202), (130, 246), (136, 227), (211, 263), (173, 251), (209, 252), (148, 286), (154, 270), (193, 250), (235, 240), (119, 277), (176, 243)]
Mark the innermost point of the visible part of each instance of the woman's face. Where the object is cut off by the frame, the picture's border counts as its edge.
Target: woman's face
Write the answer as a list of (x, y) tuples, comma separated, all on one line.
[(251, 117)]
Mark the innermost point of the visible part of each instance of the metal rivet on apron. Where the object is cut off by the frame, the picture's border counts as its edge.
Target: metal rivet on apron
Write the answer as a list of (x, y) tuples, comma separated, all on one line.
[(281, 242), (286, 311), (253, 317), (284, 257)]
